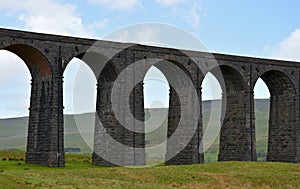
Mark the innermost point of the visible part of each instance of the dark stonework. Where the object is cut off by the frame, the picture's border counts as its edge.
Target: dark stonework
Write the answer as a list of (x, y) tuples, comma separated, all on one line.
[(47, 56), (190, 154), (283, 120), (235, 136)]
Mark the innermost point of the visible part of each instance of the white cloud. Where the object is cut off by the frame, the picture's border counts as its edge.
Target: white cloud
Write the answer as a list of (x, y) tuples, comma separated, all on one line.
[(142, 34), (117, 4), (289, 48), (121, 36), (193, 16), (49, 17), (147, 35), (169, 2), (189, 11)]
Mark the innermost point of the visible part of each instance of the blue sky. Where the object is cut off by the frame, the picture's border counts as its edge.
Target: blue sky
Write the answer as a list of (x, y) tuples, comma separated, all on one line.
[(253, 28)]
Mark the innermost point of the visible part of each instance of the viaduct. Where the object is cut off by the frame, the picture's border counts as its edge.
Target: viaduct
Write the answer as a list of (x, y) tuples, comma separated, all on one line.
[(47, 56)]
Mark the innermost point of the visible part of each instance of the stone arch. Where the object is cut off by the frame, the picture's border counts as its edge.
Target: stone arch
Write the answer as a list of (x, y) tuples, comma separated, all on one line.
[(278, 82), (156, 105), (180, 78), (235, 136), (129, 56), (105, 72), (38, 144), (37, 63), (79, 101), (230, 79), (282, 116), (102, 67), (14, 83), (211, 116), (165, 69)]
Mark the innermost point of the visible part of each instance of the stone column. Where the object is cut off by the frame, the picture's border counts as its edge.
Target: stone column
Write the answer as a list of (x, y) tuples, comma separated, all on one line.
[(250, 117), (56, 154), (250, 125), (136, 102), (45, 129), (235, 135), (282, 144), (32, 153), (190, 151), (297, 129), (105, 117), (199, 131), (114, 144)]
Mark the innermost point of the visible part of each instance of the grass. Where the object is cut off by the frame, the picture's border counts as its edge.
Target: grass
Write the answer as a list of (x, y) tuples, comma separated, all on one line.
[(79, 173)]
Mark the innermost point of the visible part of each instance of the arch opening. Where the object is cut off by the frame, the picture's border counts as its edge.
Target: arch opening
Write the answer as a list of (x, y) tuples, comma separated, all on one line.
[(229, 79), (100, 116), (182, 144), (15, 100), (282, 117), (156, 103), (79, 89), (261, 108), (234, 136), (211, 116), (34, 59), (88, 82), (102, 68)]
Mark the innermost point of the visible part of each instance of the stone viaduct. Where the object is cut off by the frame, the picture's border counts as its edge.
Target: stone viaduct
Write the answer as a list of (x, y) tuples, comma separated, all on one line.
[(47, 56)]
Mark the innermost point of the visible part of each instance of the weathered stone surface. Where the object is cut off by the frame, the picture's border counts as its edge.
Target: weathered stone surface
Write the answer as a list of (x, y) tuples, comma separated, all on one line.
[(47, 56)]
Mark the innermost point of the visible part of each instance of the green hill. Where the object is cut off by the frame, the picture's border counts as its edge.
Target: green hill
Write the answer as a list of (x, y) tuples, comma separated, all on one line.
[(13, 132)]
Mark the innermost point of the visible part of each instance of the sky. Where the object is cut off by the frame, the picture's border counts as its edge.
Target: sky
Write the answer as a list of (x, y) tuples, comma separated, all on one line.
[(269, 29)]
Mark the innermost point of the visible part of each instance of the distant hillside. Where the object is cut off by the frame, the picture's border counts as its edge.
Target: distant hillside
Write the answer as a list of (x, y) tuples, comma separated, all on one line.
[(13, 132)]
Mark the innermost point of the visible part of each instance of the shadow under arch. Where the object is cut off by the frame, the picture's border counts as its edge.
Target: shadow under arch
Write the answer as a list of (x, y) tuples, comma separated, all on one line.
[(236, 143), (282, 117), (102, 67), (33, 58), (229, 79)]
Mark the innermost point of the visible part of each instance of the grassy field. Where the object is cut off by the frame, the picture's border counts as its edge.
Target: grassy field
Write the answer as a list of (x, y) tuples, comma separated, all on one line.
[(79, 173)]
